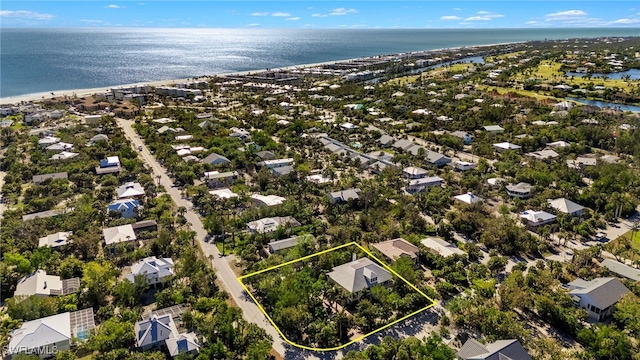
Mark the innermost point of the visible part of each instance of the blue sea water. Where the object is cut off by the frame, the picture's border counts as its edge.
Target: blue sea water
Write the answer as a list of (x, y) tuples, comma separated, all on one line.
[(43, 60)]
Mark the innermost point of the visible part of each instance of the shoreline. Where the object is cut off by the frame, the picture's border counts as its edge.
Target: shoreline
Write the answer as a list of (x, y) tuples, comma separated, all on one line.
[(40, 96)]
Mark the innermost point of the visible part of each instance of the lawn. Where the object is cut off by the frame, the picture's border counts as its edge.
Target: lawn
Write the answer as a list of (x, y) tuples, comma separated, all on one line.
[(528, 93), (504, 56)]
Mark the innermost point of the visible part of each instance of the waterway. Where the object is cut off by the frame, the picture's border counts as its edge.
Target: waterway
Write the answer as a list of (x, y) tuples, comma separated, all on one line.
[(634, 73), (606, 104)]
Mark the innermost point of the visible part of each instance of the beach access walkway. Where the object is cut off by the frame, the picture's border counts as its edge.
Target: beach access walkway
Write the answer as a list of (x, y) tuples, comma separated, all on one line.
[(221, 264)]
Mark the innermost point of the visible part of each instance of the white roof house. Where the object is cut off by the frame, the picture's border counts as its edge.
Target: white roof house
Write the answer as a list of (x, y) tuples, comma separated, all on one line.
[(40, 284), (55, 240), (154, 269), (441, 247), (110, 161), (47, 335), (414, 172), (118, 234), (506, 146), (267, 200), (153, 332), (537, 218), (130, 189), (270, 224), (225, 193), (50, 334), (468, 198), (184, 343), (597, 296), (48, 140), (64, 155)]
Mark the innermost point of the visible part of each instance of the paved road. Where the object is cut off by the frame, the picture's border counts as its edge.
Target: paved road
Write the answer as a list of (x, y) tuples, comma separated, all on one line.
[(223, 269)]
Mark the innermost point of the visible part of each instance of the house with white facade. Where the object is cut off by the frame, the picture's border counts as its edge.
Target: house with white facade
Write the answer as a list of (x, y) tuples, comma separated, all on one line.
[(153, 269), (597, 296), (60, 238)]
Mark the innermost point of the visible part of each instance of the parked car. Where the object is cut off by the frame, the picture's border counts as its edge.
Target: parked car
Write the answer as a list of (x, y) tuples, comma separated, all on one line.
[(601, 237)]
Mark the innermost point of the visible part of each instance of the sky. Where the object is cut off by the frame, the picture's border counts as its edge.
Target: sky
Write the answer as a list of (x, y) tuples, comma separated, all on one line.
[(320, 14)]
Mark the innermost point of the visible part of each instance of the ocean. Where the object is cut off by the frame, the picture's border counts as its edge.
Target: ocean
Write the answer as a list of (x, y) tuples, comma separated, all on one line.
[(47, 60)]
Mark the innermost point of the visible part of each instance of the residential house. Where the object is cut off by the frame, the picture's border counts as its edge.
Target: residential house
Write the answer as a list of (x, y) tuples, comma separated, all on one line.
[(92, 119), (215, 159), (359, 275), (109, 165), (344, 195), (278, 245), (38, 179), (318, 179), (241, 134), (47, 141), (60, 146), (396, 248), (468, 198), (49, 335), (419, 185), (55, 240), (267, 200), (402, 144), (64, 155), (537, 218), (437, 159), (130, 189), (99, 137), (464, 165), (127, 208), (386, 140), (504, 146), (271, 224), (40, 284), (153, 269), (183, 344), (621, 269), (465, 136), (497, 350), (597, 296), (380, 156), (414, 172), (153, 332), (118, 234), (272, 164), (566, 206), (217, 179), (223, 193), (493, 129), (282, 170), (542, 154), (266, 155), (558, 144), (441, 247), (520, 190)]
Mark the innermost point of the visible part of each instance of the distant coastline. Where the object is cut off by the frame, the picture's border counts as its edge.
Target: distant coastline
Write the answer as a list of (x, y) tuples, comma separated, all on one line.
[(36, 62), (34, 97)]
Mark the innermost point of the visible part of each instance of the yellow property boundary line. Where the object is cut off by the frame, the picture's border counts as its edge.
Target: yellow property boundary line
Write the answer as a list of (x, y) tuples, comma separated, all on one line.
[(324, 252)]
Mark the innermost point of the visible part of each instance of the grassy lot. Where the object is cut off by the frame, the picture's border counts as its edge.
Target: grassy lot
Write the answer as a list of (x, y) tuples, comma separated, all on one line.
[(528, 93), (550, 70)]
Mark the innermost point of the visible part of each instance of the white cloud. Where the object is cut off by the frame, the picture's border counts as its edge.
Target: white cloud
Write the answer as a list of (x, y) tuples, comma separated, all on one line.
[(342, 11), (113, 6), (24, 14), (283, 14), (565, 15), (532, 22), (457, 9), (253, 25), (484, 16), (626, 21), (319, 15), (260, 14), (295, 18), (450, 17), (91, 21)]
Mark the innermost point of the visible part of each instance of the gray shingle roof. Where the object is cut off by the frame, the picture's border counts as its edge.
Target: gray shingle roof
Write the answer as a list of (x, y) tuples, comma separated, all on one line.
[(603, 292), (358, 275), (498, 350), (621, 269)]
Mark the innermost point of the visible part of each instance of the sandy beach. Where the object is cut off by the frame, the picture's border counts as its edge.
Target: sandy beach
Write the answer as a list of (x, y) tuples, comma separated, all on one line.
[(34, 97)]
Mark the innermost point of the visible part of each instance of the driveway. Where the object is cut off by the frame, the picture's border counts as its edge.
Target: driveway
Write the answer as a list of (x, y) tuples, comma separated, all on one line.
[(223, 269)]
